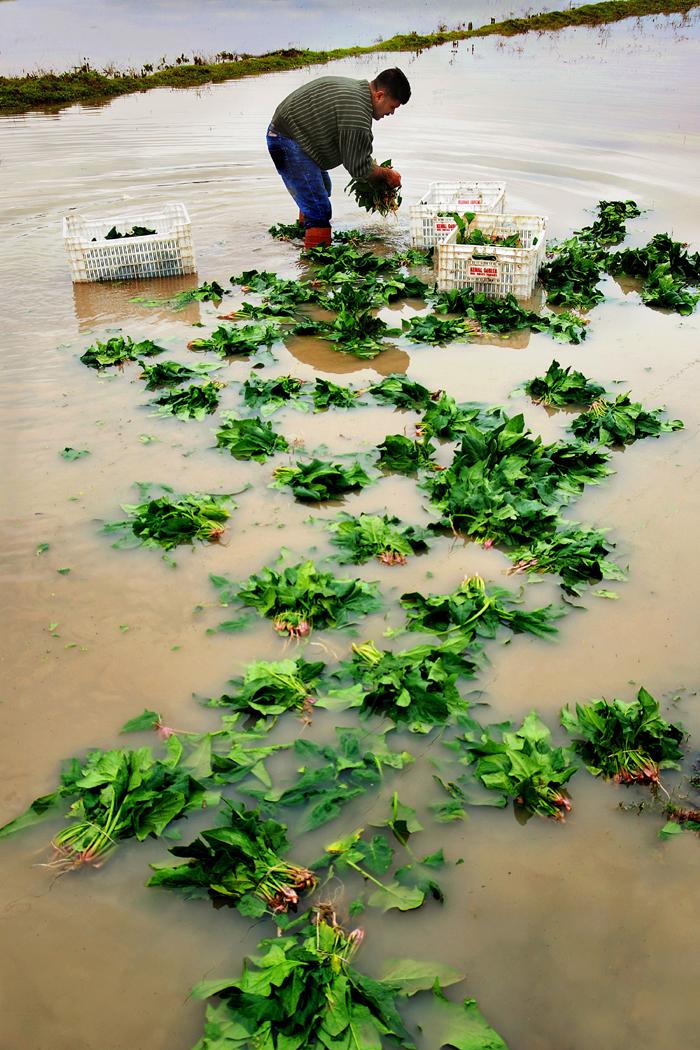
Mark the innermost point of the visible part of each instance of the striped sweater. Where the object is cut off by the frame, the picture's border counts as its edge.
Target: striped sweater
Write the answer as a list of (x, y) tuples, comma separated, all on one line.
[(331, 119)]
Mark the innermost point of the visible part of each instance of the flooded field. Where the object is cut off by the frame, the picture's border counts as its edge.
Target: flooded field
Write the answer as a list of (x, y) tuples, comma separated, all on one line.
[(571, 936)]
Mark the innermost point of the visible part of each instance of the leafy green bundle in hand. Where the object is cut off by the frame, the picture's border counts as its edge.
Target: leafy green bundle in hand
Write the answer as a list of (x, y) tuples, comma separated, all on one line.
[(193, 402), (416, 685), (620, 422), (376, 536), (167, 521), (249, 438), (376, 195), (319, 480), (562, 386), (239, 863), (472, 610), (227, 341), (118, 795), (270, 687), (522, 765), (118, 350), (301, 597), (626, 742)]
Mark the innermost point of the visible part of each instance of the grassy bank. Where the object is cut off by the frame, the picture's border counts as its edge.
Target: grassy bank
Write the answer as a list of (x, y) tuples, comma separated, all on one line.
[(86, 86)]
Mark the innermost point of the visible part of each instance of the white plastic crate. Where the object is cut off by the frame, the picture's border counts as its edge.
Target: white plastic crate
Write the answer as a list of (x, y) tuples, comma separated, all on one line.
[(428, 227), (493, 269), (166, 253)]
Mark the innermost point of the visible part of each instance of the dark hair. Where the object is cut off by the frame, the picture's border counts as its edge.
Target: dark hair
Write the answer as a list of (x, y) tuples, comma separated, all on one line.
[(394, 83)]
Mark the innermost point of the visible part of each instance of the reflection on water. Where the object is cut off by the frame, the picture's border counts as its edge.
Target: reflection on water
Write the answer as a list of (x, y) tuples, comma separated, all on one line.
[(565, 933)]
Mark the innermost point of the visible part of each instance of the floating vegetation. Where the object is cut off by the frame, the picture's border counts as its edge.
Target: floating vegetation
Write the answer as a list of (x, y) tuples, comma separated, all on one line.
[(227, 341), (571, 277), (318, 480), (207, 292), (563, 386), (172, 373), (249, 438), (239, 863), (170, 520), (193, 402), (620, 422), (299, 598), (270, 394), (435, 330), (270, 687), (327, 394), (629, 743), (399, 390), (473, 610), (118, 350), (416, 686), (521, 764), (609, 227), (401, 455), (507, 315), (376, 536), (117, 795), (579, 556)]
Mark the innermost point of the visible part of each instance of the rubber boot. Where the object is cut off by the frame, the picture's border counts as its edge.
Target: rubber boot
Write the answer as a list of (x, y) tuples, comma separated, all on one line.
[(317, 236)]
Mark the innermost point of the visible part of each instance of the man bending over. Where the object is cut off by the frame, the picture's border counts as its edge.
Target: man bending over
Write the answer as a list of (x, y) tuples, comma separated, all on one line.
[(325, 123)]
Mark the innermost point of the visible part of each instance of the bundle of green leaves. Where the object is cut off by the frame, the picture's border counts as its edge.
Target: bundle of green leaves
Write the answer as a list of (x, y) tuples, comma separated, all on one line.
[(320, 480), (207, 292), (271, 687), (562, 386), (193, 402), (273, 287), (118, 794), (401, 455), (521, 764), (444, 418), (327, 394), (415, 686), (506, 315), (299, 598), (620, 422), (376, 536), (337, 774), (626, 742), (578, 555), (473, 610), (667, 270), (468, 231), (434, 330), (411, 884), (270, 394), (375, 195), (239, 863), (336, 259), (397, 389), (117, 350), (355, 329), (172, 373), (226, 341), (287, 231), (609, 227), (571, 276), (169, 520), (136, 231), (249, 438), (504, 485)]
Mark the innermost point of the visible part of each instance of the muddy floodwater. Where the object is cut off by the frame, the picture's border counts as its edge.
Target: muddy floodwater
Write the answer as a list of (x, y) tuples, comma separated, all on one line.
[(571, 937)]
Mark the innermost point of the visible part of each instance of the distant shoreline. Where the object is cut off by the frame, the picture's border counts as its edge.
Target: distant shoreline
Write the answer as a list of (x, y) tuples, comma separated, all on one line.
[(84, 85)]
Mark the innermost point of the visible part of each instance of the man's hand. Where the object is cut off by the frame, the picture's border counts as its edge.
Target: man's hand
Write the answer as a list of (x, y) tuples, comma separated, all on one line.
[(390, 176)]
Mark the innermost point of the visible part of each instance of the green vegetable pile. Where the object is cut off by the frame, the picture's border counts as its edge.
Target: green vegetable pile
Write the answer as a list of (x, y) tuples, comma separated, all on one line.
[(375, 195)]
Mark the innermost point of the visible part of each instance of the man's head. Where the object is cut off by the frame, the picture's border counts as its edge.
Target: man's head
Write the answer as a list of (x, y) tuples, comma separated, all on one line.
[(389, 90)]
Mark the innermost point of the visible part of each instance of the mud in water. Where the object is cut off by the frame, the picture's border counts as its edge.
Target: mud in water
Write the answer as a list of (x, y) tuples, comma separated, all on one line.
[(571, 937)]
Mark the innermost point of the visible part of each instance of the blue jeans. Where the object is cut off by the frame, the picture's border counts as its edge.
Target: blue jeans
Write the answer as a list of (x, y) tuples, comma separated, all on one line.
[(307, 183)]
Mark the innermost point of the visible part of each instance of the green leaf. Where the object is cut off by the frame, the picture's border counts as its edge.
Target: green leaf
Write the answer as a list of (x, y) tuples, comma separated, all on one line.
[(394, 895), (146, 720), (670, 830), (42, 548), (413, 976), (460, 1025), (74, 453), (39, 810)]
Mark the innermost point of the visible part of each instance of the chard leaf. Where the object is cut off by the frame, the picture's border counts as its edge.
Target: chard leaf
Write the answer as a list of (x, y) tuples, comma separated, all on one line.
[(413, 976)]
